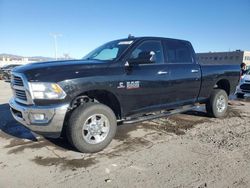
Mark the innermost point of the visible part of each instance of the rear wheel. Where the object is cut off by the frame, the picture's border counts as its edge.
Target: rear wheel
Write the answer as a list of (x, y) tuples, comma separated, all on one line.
[(218, 103), (91, 127)]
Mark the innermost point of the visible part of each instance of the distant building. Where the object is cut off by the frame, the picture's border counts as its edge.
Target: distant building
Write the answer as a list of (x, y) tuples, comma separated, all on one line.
[(234, 57), (6, 59)]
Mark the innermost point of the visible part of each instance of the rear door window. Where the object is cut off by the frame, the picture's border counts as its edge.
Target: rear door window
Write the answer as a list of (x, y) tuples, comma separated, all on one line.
[(178, 52)]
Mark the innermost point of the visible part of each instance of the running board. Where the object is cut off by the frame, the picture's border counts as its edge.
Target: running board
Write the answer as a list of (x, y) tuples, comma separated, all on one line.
[(159, 115)]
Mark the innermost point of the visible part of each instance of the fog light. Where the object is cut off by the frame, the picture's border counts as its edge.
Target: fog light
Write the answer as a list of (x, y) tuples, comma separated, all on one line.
[(38, 117)]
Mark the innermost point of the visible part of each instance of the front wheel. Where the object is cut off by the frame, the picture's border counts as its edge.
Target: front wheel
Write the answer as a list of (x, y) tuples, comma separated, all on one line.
[(218, 103), (91, 127)]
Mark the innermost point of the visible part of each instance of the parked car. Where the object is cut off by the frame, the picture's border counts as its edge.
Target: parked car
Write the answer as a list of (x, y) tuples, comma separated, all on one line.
[(126, 81), (244, 86), (5, 71), (1, 70)]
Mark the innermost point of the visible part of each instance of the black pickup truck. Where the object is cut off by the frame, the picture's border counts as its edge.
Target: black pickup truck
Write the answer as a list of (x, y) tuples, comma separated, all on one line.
[(123, 81)]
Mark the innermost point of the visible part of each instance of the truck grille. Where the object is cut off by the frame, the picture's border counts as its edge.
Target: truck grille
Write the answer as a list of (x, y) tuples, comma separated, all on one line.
[(20, 88), (245, 87), (20, 94), (17, 81)]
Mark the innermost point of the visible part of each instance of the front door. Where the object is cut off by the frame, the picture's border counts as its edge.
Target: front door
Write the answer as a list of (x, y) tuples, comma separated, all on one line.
[(147, 79)]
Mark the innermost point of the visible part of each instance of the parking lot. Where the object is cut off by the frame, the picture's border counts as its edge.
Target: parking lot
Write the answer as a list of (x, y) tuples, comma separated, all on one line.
[(185, 150)]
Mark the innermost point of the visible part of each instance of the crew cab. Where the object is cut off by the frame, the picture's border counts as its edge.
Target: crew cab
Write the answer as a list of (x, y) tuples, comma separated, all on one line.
[(123, 81)]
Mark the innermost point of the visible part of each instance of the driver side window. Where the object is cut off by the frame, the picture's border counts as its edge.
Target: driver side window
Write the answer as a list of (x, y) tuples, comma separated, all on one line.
[(148, 51)]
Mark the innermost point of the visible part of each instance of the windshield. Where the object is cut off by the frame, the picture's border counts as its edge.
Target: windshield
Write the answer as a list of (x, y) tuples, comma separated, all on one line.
[(109, 51)]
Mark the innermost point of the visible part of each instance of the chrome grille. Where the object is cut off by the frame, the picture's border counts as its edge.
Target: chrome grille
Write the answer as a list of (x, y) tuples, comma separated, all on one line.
[(245, 87), (20, 88), (17, 81), (20, 94)]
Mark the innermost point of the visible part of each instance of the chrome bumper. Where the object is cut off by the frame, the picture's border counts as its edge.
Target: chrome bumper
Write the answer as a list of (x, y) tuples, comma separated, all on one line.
[(50, 126)]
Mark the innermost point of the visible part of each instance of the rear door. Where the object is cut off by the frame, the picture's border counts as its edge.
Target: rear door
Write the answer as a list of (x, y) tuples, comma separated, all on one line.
[(185, 73)]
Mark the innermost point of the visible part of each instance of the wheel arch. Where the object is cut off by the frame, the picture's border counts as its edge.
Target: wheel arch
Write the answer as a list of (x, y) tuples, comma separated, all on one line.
[(102, 96), (223, 84)]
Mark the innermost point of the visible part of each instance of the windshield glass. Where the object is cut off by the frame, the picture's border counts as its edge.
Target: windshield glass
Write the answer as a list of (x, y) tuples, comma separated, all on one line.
[(109, 51)]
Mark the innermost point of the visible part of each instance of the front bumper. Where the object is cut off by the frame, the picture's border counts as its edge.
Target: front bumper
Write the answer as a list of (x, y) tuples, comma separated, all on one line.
[(50, 126), (243, 88)]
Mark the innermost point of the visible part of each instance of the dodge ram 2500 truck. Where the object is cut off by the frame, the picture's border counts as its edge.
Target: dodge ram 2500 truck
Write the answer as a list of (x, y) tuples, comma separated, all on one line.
[(123, 81)]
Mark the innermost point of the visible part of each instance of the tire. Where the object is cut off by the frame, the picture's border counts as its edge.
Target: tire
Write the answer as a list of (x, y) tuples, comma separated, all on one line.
[(240, 95), (218, 104), (85, 130)]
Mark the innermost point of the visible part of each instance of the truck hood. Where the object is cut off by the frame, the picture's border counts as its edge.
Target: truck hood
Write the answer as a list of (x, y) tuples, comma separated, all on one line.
[(55, 71)]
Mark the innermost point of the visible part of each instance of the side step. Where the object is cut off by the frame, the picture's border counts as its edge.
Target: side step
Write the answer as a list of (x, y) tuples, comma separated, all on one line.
[(159, 115)]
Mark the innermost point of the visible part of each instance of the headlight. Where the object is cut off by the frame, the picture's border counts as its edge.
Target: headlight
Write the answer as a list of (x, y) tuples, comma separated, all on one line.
[(46, 91)]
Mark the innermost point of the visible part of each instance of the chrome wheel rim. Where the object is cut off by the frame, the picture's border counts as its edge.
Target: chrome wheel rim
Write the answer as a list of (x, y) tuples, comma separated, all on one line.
[(96, 129), (221, 103)]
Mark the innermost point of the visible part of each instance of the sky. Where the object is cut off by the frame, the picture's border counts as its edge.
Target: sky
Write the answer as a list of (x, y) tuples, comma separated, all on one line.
[(210, 25)]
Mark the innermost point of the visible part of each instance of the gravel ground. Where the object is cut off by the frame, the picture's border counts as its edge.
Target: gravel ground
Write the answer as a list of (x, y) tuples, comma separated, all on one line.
[(185, 150)]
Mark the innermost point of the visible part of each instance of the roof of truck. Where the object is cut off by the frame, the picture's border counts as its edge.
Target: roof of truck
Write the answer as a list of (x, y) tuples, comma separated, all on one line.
[(151, 37)]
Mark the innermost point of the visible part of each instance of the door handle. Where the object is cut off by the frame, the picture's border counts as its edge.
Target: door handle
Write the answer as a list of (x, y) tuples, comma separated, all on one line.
[(162, 72), (194, 70)]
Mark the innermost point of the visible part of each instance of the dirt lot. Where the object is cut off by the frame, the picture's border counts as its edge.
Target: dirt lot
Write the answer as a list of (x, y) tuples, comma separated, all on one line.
[(186, 150)]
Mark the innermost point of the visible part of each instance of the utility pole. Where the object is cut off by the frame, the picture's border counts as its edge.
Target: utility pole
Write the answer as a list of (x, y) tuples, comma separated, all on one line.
[(55, 36)]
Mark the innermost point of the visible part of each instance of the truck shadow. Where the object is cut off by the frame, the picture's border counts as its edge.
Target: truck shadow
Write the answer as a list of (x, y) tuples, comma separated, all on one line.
[(10, 127)]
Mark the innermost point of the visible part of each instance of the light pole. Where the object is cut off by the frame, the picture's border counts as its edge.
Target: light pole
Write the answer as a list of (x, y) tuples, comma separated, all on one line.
[(55, 36)]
